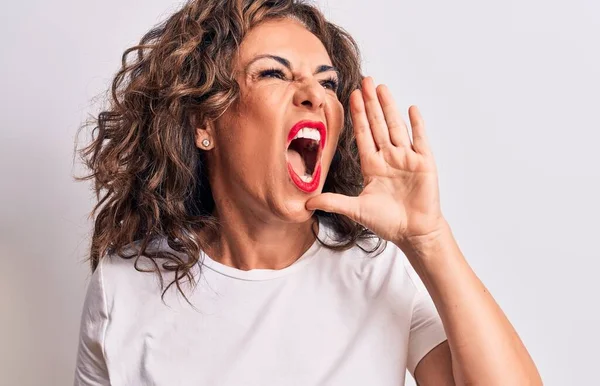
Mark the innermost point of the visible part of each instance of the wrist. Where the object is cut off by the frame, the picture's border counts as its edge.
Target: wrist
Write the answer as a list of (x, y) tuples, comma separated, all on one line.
[(430, 244)]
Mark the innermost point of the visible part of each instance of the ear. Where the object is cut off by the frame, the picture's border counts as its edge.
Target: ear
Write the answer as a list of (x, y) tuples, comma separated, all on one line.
[(204, 135)]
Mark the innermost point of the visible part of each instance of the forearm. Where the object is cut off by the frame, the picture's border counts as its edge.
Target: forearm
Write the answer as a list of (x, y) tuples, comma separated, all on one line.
[(486, 349)]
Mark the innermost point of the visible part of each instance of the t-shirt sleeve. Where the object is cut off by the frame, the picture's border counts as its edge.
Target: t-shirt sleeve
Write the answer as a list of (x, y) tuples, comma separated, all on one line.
[(426, 328), (90, 366)]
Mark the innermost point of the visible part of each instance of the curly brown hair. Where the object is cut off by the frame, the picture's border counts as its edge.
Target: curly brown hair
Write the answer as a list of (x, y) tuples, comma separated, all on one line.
[(150, 179)]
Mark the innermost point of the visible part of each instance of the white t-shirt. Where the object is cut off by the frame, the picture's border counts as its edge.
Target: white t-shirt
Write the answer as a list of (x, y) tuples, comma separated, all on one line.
[(331, 318)]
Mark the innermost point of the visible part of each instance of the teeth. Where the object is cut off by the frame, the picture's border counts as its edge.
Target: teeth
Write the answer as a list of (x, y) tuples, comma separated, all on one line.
[(310, 133), (306, 178)]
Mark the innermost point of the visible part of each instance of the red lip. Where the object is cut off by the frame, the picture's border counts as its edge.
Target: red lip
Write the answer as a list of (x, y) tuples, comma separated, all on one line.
[(312, 124), (314, 184), (308, 187)]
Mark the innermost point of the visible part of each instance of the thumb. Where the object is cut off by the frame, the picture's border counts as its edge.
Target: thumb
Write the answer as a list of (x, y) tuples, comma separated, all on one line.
[(335, 203)]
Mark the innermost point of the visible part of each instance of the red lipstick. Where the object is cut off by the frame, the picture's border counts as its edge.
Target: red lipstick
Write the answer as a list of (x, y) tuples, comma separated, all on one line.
[(313, 125), (313, 184), (308, 187)]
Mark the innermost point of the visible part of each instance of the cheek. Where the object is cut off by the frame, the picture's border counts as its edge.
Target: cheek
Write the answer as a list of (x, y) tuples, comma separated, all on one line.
[(335, 121), (249, 134)]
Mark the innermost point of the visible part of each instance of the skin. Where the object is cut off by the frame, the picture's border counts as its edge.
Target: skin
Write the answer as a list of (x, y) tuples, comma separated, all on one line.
[(264, 214), (265, 221)]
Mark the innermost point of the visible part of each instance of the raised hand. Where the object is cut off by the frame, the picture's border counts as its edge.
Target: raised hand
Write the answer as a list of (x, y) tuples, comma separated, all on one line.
[(400, 200)]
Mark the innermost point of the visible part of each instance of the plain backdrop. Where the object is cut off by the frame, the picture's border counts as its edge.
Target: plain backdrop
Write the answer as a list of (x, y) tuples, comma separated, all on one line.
[(510, 95)]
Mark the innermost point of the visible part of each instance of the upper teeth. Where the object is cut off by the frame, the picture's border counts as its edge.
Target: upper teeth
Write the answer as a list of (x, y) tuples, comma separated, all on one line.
[(310, 133)]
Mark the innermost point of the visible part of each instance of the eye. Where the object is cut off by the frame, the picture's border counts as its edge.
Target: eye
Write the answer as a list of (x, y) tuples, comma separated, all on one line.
[(272, 73), (330, 83)]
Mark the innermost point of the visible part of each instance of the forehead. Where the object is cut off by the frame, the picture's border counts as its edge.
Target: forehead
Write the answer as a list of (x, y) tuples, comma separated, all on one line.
[(283, 37)]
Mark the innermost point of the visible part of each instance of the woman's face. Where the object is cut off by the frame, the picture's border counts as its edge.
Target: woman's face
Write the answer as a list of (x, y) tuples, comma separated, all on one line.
[(287, 83)]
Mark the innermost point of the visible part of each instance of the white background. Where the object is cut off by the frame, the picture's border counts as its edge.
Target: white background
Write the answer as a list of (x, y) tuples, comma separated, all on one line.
[(510, 92)]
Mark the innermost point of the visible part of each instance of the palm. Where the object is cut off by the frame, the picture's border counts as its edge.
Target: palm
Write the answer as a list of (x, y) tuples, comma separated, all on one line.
[(400, 194), (400, 198)]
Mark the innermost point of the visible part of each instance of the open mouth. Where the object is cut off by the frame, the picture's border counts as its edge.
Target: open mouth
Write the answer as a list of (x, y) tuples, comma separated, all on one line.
[(305, 144)]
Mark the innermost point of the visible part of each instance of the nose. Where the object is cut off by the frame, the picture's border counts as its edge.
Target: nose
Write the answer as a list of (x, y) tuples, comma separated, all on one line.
[(310, 94)]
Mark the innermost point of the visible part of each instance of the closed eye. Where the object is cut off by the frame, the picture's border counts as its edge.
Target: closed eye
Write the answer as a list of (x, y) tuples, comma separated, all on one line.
[(330, 83), (272, 73)]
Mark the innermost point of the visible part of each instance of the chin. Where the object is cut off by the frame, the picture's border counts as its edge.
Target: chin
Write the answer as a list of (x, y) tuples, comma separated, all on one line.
[(295, 210)]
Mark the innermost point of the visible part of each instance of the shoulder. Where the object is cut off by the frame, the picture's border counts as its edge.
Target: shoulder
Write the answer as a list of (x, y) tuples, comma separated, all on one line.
[(134, 278), (90, 362)]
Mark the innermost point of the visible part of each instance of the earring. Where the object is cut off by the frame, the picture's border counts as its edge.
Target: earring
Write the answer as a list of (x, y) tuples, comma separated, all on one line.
[(205, 142)]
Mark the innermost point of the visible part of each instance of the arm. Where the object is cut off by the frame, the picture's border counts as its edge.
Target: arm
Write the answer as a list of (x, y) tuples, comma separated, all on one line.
[(436, 368), (482, 348), (400, 202)]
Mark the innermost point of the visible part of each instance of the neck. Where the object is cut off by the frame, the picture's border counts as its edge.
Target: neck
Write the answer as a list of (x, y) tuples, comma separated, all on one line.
[(246, 242)]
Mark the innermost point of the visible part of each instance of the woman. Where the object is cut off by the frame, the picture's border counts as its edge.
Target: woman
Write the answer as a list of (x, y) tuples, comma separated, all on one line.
[(246, 160)]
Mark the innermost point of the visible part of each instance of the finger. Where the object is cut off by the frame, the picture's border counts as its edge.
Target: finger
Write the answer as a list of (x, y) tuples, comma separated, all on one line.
[(362, 132), (395, 123), (420, 139), (375, 115), (335, 203)]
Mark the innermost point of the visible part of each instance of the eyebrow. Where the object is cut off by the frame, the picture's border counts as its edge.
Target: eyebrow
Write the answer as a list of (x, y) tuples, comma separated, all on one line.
[(286, 63)]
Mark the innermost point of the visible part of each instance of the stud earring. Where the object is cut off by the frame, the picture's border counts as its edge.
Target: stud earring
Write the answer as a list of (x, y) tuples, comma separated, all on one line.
[(205, 142)]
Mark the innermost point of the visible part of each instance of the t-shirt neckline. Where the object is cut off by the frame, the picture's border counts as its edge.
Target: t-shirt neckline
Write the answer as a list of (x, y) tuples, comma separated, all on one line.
[(262, 273)]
